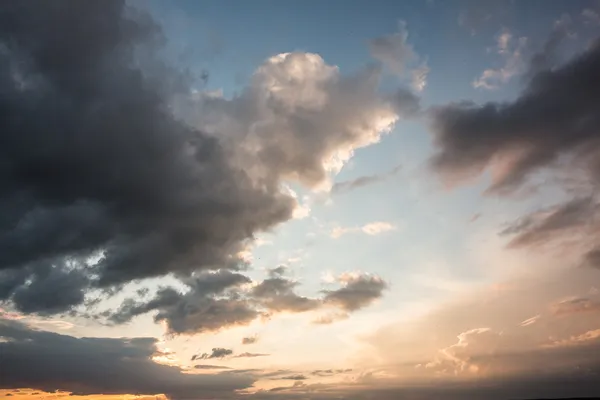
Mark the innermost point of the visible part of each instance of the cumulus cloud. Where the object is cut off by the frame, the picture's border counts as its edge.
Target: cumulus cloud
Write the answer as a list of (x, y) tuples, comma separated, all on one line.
[(357, 291), (277, 294), (396, 53), (32, 359), (109, 157)]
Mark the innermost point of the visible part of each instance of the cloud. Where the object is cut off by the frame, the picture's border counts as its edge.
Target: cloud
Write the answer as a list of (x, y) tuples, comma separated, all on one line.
[(530, 321), (396, 53), (31, 358), (554, 117), (222, 299), (358, 291), (557, 221), (277, 294), (362, 181), (577, 340), (108, 156), (512, 53), (250, 340), (575, 305), (330, 372), (293, 377), (330, 318), (251, 355), (217, 352), (207, 366), (371, 229), (210, 304)]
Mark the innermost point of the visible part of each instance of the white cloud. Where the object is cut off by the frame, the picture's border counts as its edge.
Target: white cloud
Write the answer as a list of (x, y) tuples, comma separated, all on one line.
[(511, 50), (372, 229), (530, 321), (299, 119), (375, 228)]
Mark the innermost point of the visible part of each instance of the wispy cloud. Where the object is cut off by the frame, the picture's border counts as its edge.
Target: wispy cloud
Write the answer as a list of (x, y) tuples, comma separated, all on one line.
[(511, 50), (371, 229), (362, 181)]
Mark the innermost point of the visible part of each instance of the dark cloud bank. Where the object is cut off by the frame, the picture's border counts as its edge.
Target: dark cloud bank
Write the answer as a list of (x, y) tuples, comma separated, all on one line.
[(49, 361), (551, 128), (107, 179), (96, 166)]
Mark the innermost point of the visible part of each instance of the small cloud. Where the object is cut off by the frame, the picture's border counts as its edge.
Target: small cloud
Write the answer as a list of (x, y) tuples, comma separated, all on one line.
[(298, 377), (511, 51), (250, 340), (398, 55), (358, 291), (375, 228), (362, 181), (217, 352), (251, 355), (530, 321), (576, 340), (591, 16), (475, 217), (330, 318), (206, 366), (575, 305), (372, 229)]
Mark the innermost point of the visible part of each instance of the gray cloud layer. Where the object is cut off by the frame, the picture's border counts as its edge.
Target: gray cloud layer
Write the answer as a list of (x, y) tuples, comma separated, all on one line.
[(49, 361)]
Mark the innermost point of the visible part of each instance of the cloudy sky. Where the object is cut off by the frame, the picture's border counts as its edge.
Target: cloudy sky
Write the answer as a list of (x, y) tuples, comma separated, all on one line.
[(367, 200)]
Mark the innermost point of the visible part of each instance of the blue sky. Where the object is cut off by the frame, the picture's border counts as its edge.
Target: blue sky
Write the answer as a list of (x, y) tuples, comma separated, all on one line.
[(454, 243)]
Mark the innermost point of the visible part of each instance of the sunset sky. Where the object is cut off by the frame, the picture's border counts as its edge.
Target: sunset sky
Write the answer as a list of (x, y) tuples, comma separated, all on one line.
[(341, 199)]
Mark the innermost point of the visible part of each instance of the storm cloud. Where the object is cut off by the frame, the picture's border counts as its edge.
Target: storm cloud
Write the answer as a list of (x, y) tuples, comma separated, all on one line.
[(114, 170)]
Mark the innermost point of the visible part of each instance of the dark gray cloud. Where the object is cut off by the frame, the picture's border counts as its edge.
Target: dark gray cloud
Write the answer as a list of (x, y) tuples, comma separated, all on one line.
[(217, 352), (277, 294), (250, 340), (49, 361), (358, 291), (216, 300), (209, 304), (94, 161), (251, 355), (207, 366), (330, 372), (555, 115), (362, 181), (298, 377), (108, 156)]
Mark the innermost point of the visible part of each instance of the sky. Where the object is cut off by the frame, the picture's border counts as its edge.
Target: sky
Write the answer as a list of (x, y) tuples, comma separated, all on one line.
[(363, 200)]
